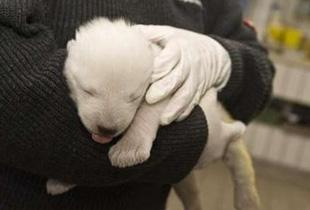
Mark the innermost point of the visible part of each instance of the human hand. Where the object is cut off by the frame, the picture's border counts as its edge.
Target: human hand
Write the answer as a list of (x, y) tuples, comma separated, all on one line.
[(188, 65)]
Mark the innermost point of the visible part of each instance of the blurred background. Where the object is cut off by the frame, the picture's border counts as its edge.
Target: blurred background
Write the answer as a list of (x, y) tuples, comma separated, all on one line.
[(279, 139)]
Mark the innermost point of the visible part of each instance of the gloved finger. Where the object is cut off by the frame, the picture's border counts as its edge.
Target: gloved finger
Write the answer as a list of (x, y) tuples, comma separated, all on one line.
[(166, 61), (168, 84), (190, 108), (179, 102), (156, 33), (187, 112), (198, 94)]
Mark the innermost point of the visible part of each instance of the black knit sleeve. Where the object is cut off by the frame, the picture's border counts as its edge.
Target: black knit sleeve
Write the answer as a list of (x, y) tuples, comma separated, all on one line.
[(250, 84), (40, 131)]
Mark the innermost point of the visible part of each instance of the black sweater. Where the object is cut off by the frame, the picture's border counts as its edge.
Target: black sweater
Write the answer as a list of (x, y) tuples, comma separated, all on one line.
[(41, 135)]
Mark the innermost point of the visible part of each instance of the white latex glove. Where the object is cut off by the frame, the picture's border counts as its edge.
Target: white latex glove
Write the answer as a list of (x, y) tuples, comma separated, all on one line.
[(188, 65)]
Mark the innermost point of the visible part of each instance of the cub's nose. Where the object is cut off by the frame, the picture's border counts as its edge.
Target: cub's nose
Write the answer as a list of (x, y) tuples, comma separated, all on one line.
[(106, 131)]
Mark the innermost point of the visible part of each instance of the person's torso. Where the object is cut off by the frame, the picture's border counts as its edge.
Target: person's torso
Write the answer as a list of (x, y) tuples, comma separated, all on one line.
[(65, 16)]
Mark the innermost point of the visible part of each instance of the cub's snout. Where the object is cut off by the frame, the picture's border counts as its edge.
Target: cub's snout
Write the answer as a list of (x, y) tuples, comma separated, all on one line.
[(106, 131)]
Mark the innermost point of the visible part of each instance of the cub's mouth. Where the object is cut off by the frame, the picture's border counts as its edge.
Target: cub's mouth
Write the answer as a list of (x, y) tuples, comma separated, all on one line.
[(101, 139), (104, 135)]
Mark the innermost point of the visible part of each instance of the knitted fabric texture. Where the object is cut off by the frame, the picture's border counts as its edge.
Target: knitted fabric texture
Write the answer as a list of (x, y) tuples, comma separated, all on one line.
[(41, 135)]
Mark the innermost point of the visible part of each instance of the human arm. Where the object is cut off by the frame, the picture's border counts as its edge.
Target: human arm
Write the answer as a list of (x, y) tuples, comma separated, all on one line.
[(40, 131), (225, 55), (250, 85)]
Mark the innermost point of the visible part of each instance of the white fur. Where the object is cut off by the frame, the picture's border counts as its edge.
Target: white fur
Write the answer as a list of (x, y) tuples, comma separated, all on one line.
[(55, 187), (197, 2), (113, 62), (102, 60)]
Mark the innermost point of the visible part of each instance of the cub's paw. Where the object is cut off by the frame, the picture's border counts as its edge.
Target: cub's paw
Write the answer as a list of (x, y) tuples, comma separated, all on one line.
[(126, 153), (247, 201)]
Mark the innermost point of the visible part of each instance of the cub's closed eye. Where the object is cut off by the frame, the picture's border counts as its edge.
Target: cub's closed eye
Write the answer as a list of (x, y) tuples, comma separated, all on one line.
[(89, 92), (134, 98)]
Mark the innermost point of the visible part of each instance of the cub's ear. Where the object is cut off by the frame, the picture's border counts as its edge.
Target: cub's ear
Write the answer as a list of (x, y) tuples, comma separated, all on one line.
[(70, 44)]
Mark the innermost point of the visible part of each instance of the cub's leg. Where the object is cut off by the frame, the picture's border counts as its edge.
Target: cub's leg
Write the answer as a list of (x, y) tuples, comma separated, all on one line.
[(135, 146), (240, 165), (188, 192)]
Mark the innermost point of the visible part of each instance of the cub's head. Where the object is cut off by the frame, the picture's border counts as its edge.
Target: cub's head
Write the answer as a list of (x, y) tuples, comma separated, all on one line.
[(108, 70)]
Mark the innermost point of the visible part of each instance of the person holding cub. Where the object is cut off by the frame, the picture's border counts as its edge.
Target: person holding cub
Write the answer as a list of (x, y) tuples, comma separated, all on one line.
[(41, 135)]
